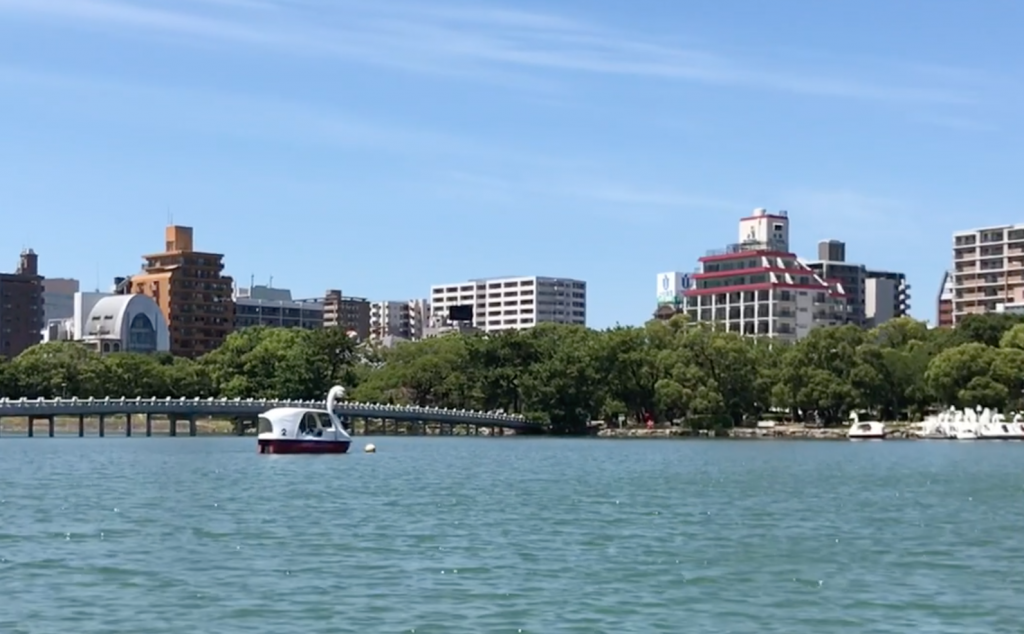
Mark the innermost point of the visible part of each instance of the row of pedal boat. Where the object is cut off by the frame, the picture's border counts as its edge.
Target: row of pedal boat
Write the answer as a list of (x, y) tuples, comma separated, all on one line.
[(952, 424)]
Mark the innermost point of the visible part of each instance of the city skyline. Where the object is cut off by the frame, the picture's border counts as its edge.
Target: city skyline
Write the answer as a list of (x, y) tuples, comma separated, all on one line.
[(384, 146)]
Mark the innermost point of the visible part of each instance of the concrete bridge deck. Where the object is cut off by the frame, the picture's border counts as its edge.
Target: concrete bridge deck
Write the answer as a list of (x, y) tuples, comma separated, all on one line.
[(246, 409)]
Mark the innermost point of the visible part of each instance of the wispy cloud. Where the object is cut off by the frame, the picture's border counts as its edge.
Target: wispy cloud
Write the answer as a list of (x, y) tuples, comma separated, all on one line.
[(634, 197), (964, 124), (846, 212), (570, 188), (459, 39), (239, 115)]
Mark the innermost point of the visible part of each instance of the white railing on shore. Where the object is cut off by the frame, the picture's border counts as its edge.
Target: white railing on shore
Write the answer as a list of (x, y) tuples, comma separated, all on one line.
[(239, 406)]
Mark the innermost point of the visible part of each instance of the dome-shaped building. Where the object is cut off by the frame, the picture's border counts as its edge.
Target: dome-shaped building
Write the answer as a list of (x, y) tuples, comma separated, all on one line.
[(121, 323)]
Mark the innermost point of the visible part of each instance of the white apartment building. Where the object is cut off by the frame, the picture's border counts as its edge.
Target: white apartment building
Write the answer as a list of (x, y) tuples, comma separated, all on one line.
[(400, 320), (511, 302), (988, 269)]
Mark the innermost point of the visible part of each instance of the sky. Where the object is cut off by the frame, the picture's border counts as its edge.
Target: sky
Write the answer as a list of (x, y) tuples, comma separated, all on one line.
[(383, 146)]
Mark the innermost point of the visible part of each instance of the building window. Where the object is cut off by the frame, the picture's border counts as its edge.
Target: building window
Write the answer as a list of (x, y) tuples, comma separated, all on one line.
[(141, 334)]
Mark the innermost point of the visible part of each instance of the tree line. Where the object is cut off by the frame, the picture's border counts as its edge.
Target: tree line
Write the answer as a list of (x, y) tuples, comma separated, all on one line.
[(570, 375)]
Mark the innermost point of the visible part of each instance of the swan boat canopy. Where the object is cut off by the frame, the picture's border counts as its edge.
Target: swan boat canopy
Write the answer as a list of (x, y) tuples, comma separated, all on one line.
[(865, 430), (290, 430)]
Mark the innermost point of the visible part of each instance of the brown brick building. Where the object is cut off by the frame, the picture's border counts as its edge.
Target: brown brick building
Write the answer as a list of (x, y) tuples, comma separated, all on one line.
[(192, 292), (350, 313), (21, 306)]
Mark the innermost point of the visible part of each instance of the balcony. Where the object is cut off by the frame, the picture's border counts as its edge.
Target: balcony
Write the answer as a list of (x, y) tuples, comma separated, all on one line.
[(747, 247)]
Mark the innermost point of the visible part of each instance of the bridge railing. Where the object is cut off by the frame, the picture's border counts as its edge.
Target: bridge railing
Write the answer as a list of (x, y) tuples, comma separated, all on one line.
[(25, 406)]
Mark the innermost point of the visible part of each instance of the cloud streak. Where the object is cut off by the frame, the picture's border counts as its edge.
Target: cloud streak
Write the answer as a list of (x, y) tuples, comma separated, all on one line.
[(476, 41), (236, 114)]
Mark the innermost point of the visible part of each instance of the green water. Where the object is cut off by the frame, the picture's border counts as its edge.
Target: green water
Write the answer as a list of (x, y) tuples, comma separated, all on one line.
[(444, 535)]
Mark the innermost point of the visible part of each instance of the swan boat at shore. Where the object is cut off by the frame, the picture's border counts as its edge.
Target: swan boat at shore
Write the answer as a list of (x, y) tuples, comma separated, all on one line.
[(865, 430), (298, 430)]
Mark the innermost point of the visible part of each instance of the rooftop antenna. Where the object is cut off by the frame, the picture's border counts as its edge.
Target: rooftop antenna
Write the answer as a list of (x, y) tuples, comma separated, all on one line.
[(97, 277), (271, 284), (252, 281)]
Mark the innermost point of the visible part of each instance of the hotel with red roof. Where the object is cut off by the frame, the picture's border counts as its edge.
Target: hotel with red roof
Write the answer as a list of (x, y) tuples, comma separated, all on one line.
[(759, 287)]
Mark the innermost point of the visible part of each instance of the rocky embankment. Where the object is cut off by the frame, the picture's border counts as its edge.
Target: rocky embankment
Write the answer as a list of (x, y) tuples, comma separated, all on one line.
[(778, 432)]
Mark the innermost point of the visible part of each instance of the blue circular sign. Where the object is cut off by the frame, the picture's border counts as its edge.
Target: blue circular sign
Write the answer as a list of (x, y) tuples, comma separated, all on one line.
[(684, 281), (664, 283)]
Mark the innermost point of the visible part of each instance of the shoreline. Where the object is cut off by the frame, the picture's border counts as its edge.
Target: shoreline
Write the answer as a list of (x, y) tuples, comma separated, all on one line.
[(783, 432), (115, 427)]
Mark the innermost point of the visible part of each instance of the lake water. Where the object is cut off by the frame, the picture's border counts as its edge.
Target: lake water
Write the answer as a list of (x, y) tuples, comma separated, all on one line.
[(446, 535)]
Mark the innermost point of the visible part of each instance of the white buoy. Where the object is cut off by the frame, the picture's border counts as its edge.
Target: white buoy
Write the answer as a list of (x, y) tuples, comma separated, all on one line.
[(370, 448)]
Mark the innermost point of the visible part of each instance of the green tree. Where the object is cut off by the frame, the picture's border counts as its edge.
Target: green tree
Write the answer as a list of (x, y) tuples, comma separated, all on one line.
[(696, 373)]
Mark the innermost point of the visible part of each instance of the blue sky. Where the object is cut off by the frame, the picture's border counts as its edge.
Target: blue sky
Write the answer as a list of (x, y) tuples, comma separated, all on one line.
[(383, 146)]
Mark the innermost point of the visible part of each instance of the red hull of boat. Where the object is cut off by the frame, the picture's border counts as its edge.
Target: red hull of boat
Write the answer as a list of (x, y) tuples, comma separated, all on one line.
[(304, 446)]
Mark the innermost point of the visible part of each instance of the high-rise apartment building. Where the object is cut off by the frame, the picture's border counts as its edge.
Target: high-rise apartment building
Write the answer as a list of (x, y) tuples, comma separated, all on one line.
[(257, 305), (988, 269), (759, 287), (350, 313), (191, 290), (401, 320), (886, 296), (511, 302), (872, 297), (21, 306)]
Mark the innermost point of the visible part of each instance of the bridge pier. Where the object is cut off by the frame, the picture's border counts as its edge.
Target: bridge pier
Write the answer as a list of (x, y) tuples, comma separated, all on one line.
[(357, 418)]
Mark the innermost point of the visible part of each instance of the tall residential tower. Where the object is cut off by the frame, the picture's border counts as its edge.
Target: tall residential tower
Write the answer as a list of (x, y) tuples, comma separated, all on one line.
[(988, 269), (192, 292)]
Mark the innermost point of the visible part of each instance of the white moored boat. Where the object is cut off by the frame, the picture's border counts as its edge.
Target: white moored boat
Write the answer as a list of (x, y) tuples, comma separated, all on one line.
[(293, 430), (866, 430), (993, 426)]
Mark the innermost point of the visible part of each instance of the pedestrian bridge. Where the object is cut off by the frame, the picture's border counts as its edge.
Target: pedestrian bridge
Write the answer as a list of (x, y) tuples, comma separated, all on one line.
[(249, 409)]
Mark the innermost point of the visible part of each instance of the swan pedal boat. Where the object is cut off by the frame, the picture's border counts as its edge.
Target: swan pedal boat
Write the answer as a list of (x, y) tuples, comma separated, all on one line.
[(867, 430), (299, 430)]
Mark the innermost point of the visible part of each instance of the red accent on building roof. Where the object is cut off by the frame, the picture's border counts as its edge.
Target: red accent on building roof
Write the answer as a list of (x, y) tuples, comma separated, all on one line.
[(697, 292), (739, 255), (753, 271)]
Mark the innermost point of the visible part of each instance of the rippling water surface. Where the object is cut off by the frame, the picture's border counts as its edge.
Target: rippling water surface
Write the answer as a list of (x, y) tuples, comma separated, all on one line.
[(443, 535)]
